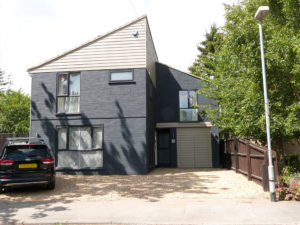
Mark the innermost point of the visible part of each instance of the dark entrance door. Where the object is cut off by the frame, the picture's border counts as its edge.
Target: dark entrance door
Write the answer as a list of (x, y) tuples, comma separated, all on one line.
[(163, 148)]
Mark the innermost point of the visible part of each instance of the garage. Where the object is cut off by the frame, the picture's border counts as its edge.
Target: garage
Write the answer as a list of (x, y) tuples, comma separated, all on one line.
[(194, 147)]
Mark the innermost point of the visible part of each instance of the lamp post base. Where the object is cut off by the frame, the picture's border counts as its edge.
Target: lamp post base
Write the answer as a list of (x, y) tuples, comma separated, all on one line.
[(273, 196)]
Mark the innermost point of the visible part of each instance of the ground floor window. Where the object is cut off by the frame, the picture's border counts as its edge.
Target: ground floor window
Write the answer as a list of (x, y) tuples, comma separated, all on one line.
[(80, 147)]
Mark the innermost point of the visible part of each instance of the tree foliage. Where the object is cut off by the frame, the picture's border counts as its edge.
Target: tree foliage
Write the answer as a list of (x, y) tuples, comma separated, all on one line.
[(236, 67), (207, 48), (3, 82), (14, 112)]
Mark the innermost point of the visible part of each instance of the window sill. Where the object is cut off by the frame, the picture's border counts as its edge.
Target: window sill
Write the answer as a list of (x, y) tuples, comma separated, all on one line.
[(73, 169), (121, 82), (80, 150), (67, 114)]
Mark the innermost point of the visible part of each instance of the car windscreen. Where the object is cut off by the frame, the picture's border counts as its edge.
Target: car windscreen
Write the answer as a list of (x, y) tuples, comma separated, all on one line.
[(26, 151)]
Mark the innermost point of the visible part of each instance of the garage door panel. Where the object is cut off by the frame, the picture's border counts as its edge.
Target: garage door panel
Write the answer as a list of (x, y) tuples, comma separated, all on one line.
[(193, 147), (202, 164)]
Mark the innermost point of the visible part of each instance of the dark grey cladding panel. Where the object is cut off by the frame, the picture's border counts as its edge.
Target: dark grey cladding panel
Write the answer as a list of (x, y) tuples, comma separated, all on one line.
[(98, 98), (43, 95), (124, 142), (215, 147), (150, 123), (169, 81)]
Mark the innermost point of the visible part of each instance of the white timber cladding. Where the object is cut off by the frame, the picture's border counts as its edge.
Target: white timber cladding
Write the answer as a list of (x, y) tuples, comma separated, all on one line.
[(194, 147), (116, 50), (151, 56)]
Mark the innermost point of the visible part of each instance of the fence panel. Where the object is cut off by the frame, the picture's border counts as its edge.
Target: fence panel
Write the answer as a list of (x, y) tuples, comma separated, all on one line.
[(232, 156), (242, 157), (251, 160)]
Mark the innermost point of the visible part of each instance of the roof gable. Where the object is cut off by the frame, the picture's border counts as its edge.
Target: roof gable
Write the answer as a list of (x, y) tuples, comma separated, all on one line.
[(114, 50), (184, 73)]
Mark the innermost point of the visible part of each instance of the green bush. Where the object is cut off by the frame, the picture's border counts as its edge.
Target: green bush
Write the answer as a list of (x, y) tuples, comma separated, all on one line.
[(293, 162), (289, 186)]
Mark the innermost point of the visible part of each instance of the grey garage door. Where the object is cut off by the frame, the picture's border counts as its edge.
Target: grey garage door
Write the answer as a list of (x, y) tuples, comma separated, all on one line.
[(194, 147)]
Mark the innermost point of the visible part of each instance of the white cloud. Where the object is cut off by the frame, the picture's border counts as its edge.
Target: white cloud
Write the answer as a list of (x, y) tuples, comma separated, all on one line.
[(33, 31)]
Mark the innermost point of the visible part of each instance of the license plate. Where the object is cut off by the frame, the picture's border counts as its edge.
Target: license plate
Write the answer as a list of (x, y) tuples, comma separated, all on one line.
[(23, 166)]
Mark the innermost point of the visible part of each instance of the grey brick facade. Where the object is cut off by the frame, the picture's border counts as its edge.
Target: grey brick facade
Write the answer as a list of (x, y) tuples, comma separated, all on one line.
[(120, 108)]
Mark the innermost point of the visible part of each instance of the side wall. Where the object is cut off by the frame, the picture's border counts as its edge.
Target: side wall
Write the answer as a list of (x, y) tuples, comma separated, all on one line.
[(151, 57), (150, 123), (169, 82), (120, 108)]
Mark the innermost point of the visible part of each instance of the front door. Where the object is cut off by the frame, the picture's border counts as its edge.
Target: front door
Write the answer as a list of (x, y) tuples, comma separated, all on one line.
[(163, 148)]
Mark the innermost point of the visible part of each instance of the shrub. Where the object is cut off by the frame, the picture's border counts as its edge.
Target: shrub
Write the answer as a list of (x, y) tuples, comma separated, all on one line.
[(293, 161), (289, 187)]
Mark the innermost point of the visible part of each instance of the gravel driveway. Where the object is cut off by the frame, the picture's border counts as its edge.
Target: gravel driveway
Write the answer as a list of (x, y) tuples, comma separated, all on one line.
[(159, 184)]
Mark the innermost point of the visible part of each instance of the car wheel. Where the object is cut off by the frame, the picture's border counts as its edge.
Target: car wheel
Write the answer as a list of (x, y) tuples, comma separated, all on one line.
[(51, 185), (2, 189)]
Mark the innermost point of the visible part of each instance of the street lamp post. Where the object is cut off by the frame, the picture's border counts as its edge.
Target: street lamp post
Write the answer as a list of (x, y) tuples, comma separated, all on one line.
[(260, 15)]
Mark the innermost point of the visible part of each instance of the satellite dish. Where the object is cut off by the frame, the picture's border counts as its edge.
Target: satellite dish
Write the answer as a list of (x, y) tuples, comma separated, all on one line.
[(135, 33)]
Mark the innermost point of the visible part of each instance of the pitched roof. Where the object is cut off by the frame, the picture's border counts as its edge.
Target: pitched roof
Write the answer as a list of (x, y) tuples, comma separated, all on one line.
[(88, 43), (189, 74)]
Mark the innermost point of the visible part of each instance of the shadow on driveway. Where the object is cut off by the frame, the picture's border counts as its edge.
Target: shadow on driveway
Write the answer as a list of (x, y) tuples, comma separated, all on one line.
[(159, 184)]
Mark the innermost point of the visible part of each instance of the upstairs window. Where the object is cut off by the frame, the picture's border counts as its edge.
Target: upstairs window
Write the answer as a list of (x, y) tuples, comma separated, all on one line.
[(187, 106), (119, 76), (68, 94)]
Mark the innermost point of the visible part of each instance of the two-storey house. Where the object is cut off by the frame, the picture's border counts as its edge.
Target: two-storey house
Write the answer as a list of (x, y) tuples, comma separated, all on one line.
[(109, 107)]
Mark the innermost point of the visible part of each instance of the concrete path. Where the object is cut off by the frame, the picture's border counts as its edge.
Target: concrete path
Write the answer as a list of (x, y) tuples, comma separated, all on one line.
[(171, 211)]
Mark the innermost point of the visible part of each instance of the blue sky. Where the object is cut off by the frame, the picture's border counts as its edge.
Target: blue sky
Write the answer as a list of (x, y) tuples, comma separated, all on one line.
[(33, 31)]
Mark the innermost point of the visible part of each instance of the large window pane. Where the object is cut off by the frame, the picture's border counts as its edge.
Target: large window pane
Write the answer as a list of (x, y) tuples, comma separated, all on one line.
[(72, 104), (74, 86), (61, 102), (85, 138), (67, 159), (79, 159), (183, 99), (80, 138), (91, 159), (74, 138), (62, 84), (68, 104), (188, 114), (119, 76), (62, 138), (97, 137), (192, 98)]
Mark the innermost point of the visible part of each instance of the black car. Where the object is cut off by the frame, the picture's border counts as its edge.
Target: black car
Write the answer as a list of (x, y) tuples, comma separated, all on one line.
[(26, 161)]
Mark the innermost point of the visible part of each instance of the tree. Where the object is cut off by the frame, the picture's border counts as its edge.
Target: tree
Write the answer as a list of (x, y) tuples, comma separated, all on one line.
[(3, 82), (205, 61), (237, 84), (14, 112)]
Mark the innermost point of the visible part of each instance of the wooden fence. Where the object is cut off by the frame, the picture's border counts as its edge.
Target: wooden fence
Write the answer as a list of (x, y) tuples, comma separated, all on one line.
[(4, 136), (251, 160)]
